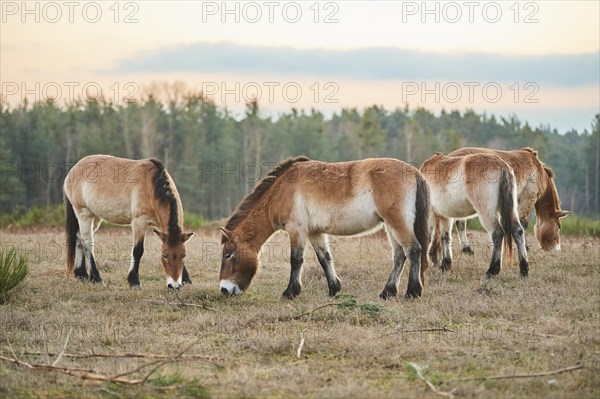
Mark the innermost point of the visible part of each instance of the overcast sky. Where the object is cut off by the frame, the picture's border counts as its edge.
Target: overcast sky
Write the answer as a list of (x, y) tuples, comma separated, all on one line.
[(539, 60)]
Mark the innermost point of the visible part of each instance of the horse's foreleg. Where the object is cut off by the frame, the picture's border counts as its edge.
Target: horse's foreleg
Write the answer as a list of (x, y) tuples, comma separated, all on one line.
[(391, 287), (295, 285), (321, 247), (461, 228), (139, 232)]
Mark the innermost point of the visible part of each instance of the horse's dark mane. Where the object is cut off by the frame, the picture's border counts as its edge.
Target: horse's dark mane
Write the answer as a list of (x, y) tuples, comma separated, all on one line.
[(261, 187), (164, 194)]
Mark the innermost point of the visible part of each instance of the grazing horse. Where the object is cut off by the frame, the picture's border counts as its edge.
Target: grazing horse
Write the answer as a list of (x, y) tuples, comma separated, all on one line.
[(482, 185), (128, 192), (535, 189), (310, 199)]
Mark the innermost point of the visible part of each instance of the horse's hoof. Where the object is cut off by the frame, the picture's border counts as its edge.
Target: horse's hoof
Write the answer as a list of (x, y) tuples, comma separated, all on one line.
[(412, 295), (388, 293), (135, 286), (468, 251)]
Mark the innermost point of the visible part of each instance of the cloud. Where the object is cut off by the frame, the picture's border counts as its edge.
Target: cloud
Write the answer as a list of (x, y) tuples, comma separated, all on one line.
[(376, 63)]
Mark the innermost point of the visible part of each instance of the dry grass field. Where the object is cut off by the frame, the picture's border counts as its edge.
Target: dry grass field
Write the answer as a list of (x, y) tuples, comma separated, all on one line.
[(466, 337)]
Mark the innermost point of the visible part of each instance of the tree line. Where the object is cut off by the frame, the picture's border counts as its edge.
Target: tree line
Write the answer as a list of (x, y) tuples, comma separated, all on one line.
[(215, 157)]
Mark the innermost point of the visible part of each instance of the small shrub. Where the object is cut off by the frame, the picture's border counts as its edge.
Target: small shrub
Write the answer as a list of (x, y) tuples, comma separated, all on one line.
[(13, 271), (193, 220)]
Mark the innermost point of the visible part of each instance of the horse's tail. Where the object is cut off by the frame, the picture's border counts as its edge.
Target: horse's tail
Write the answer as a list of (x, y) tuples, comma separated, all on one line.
[(421, 224), (72, 228), (507, 208)]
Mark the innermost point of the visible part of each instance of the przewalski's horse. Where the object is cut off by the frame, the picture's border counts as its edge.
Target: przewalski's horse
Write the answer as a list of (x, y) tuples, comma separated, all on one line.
[(310, 199), (128, 192), (535, 189), (482, 185)]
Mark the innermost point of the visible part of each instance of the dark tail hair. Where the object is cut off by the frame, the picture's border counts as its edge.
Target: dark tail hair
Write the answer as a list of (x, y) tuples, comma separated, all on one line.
[(507, 206), (421, 225), (72, 228)]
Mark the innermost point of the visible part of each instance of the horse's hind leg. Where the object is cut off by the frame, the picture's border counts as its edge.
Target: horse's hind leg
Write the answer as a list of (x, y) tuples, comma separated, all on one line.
[(80, 269), (461, 228), (139, 231), (491, 224), (391, 287), (321, 247), (86, 229), (519, 237), (445, 238)]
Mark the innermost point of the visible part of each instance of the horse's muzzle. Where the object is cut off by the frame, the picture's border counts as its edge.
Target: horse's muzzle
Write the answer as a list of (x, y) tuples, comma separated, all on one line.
[(229, 288)]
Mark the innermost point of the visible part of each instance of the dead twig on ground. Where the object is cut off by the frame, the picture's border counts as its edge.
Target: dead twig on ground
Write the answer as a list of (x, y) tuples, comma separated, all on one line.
[(507, 377), (419, 371), (433, 329), (64, 348)]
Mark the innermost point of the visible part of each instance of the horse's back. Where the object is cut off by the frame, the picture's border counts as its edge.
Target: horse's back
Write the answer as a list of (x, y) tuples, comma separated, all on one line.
[(345, 198)]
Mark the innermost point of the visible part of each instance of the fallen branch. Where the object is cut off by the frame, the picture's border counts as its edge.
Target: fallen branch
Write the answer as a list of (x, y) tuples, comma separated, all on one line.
[(300, 346), (507, 377), (434, 329), (81, 373), (207, 358), (64, 348)]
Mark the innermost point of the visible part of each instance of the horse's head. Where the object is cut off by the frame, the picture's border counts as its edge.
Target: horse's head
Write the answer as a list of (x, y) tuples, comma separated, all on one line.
[(547, 229), (172, 254), (238, 266)]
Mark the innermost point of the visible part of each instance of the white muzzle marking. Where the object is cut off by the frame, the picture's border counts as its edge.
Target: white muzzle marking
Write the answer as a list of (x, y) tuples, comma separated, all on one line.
[(172, 283), (229, 288)]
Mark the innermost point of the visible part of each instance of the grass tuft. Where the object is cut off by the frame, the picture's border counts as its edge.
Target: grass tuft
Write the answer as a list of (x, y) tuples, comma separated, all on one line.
[(13, 271)]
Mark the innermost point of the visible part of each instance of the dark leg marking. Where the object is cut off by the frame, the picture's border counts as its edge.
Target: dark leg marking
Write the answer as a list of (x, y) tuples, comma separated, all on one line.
[(414, 278), (391, 288), (446, 264), (133, 276), (519, 237), (294, 287), (94, 273), (495, 264), (325, 260)]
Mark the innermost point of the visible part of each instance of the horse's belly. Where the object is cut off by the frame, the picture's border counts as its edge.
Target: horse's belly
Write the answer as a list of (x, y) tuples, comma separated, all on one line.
[(354, 217), (452, 205), (113, 209)]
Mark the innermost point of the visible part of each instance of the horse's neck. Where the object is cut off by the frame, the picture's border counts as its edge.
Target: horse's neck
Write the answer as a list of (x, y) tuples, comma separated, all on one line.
[(256, 229), (163, 214), (547, 203)]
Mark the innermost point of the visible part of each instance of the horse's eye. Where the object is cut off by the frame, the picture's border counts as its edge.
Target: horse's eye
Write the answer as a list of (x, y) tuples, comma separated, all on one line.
[(183, 256), (228, 255), (165, 255)]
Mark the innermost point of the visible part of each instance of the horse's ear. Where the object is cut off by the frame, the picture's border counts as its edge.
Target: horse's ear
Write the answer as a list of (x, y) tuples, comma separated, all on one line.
[(562, 214), (227, 235), (186, 236), (161, 235)]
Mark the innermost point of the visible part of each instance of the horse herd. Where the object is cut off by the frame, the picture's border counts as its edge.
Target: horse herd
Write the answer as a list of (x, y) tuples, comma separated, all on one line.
[(311, 199)]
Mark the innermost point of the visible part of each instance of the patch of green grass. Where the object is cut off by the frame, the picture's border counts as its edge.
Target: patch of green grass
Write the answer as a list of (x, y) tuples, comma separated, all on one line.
[(168, 380), (193, 220), (349, 302), (14, 268), (49, 216), (577, 225), (197, 391)]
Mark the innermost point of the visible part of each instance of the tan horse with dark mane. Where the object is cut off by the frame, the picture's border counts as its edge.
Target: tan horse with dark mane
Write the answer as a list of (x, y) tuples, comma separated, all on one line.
[(310, 199), (128, 192), (535, 190), (482, 185)]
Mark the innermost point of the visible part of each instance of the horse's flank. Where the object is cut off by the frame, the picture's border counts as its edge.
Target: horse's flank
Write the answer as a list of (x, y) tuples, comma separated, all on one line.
[(104, 184)]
